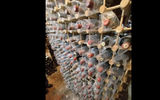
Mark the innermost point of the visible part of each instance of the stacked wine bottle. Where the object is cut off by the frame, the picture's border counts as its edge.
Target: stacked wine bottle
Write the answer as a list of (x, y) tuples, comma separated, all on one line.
[(93, 56)]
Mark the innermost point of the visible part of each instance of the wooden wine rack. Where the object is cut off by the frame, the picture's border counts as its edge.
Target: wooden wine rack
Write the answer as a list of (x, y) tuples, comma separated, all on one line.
[(124, 4)]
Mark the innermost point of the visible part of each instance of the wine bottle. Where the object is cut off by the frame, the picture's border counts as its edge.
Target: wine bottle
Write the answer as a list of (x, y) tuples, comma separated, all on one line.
[(105, 54), (92, 62), (103, 66)]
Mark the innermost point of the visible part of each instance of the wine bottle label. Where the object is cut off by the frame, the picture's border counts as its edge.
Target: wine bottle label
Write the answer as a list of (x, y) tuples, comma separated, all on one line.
[(118, 64), (103, 44), (114, 77)]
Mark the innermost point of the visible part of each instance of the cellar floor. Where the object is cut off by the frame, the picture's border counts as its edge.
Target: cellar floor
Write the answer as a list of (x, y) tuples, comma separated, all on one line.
[(59, 91)]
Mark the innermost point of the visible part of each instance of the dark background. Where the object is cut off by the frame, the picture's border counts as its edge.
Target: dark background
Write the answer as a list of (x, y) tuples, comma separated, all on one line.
[(23, 50)]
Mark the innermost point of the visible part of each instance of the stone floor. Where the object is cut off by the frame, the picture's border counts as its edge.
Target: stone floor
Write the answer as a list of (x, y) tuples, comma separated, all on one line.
[(59, 91)]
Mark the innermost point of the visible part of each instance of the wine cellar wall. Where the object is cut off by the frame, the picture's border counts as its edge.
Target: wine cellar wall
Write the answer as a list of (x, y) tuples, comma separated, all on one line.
[(91, 40)]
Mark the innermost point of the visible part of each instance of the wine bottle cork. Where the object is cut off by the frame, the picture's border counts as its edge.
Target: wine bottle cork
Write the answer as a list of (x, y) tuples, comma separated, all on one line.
[(118, 64), (103, 44), (114, 77)]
